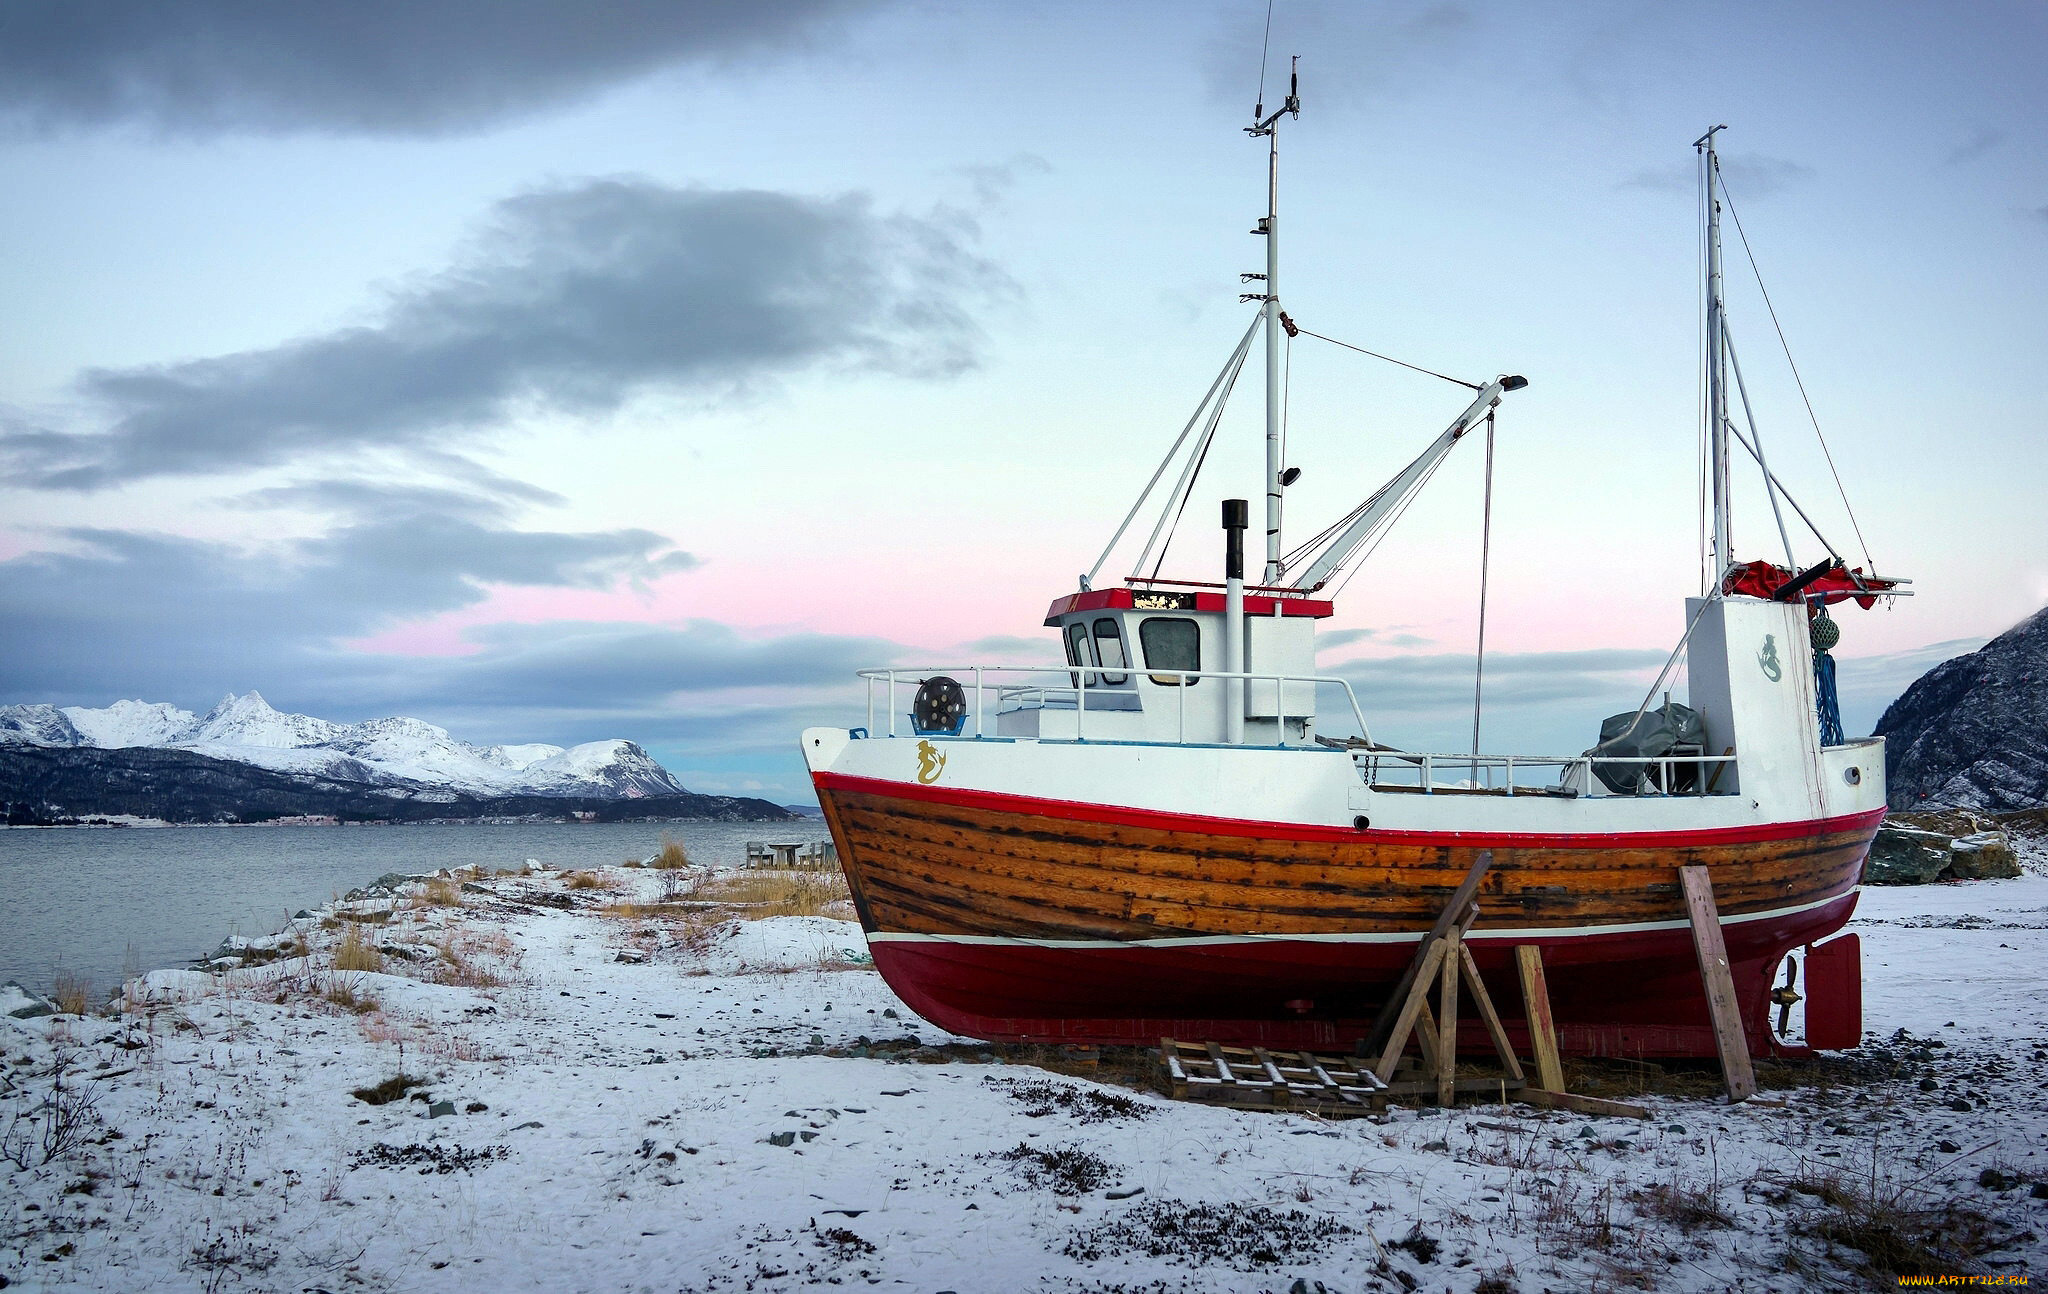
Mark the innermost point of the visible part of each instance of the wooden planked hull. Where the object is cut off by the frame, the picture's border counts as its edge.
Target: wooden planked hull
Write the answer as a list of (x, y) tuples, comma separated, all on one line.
[(1012, 920)]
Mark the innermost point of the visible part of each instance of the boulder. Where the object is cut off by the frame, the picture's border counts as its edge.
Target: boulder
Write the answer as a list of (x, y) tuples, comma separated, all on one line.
[(23, 1003), (1986, 855), (1906, 856)]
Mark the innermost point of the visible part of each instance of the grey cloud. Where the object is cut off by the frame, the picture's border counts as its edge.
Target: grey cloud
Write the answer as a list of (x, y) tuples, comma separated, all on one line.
[(1980, 142), (574, 299), (1354, 52), (992, 182), (1045, 645), (1426, 682), (385, 67), (1749, 175), (120, 612)]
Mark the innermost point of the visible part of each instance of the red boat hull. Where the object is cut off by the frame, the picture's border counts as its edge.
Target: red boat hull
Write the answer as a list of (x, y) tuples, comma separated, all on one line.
[(1015, 922)]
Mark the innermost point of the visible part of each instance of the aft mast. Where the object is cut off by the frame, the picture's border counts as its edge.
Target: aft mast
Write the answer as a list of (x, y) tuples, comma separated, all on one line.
[(1269, 225), (1717, 365)]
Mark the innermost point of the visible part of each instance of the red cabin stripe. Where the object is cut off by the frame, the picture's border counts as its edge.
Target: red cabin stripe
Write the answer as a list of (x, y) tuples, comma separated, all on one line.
[(1255, 604), (1077, 811)]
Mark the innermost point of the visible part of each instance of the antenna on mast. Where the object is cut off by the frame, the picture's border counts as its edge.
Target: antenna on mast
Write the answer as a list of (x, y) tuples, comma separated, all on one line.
[(1269, 226)]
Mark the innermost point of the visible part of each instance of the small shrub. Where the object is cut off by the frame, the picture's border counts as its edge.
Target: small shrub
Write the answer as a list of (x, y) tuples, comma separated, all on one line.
[(777, 894), (347, 993), (391, 1089), (71, 993), (585, 881), (355, 953), (672, 855), (440, 893), (1067, 1170)]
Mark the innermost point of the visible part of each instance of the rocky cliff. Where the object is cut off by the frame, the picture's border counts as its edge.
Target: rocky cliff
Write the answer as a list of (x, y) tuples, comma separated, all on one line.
[(1973, 731)]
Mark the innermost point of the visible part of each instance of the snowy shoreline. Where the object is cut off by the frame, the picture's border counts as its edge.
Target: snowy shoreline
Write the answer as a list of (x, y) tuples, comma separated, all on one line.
[(644, 1079)]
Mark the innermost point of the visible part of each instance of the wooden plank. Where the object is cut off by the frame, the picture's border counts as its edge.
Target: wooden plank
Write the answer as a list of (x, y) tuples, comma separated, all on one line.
[(1223, 1074), (1720, 983), (1482, 1000), (1580, 1104), (1447, 1021), (1452, 915), (1425, 1035), (1536, 1009), (1283, 1091), (1397, 1037), (1428, 1087)]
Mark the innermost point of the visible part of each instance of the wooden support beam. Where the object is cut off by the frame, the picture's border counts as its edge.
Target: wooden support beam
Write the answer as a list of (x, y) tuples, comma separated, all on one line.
[(1719, 981), (1453, 914), (1580, 1104), (1484, 1003), (1447, 1022), (1411, 1003), (1536, 1008)]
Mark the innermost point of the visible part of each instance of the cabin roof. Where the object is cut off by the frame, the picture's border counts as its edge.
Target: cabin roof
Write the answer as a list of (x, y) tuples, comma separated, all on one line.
[(1120, 599)]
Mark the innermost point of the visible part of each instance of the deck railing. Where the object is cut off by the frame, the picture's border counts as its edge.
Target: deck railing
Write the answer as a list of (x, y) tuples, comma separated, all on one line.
[(1083, 681), (1426, 772), (1434, 773)]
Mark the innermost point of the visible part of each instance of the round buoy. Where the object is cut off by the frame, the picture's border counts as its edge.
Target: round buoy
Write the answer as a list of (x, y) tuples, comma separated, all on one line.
[(1824, 632)]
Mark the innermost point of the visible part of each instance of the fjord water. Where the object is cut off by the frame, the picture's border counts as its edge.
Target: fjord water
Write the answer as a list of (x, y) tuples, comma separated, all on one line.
[(76, 898)]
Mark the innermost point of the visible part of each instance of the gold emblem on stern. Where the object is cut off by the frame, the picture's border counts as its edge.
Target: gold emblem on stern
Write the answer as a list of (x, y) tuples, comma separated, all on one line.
[(1768, 659), (930, 763)]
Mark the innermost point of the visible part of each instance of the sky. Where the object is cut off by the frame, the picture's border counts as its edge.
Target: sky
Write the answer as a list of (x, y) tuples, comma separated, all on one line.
[(642, 369)]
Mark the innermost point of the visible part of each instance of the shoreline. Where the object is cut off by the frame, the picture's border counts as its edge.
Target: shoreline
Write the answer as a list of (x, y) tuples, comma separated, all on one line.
[(598, 1074)]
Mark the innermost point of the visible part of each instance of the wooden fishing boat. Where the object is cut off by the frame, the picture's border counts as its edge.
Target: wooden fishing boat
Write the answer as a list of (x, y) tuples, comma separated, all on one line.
[(1160, 836)]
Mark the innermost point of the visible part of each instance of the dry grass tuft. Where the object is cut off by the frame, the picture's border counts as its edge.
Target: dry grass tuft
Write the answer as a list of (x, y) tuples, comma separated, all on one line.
[(439, 893), (347, 993), (672, 855), (474, 958), (355, 953), (586, 881), (757, 894), (1893, 1229), (72, 994)]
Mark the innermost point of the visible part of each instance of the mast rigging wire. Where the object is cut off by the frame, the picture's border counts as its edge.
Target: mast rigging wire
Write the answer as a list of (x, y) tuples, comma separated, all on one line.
[(1227, 373), (1485, 561), (1799, 381), (1470, 386), (1185, 487), (1265, 48)]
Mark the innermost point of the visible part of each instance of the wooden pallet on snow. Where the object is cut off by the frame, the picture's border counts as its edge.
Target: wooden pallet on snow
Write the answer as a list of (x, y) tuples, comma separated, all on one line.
[(1262, 1079)]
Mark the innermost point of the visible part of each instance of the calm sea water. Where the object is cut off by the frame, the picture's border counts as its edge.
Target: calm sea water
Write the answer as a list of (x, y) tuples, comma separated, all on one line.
[(77, 898)]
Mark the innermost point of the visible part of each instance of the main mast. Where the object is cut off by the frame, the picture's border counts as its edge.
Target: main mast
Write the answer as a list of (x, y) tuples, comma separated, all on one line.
[(1270, 227), (1717, 363)]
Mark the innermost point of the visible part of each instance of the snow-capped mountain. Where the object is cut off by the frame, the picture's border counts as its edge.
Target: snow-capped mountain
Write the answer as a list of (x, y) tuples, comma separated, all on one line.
[(395, 751)]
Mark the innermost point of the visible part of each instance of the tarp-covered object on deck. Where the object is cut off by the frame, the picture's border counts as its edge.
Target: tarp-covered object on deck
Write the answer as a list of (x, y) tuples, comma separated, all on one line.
[(1837, 584), (1659, 732)]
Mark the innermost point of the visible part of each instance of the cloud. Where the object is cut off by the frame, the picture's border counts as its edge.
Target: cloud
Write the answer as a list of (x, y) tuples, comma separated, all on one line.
[(992, 183), (573, 299), (1981, 141), (1364, 52), (379, 67), (114, 611), (1749, 175)]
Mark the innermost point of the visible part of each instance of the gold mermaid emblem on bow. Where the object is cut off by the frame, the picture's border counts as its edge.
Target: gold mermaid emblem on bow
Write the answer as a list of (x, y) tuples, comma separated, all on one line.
[(930, 763)]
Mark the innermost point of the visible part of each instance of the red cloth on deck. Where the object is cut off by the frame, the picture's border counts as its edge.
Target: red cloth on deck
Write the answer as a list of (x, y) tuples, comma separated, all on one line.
[(1763, 580)]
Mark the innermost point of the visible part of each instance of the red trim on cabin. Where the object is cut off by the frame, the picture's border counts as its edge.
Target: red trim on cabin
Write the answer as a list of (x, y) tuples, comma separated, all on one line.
[(1120, 599), (1118, 815)]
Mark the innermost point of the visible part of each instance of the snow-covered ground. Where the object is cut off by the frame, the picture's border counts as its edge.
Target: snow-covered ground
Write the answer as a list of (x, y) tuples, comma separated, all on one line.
[(664, 1097)]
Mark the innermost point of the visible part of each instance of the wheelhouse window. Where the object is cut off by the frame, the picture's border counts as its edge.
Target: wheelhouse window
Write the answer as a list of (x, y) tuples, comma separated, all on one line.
[(1171, 643), (1109, 649), (1078, 650)]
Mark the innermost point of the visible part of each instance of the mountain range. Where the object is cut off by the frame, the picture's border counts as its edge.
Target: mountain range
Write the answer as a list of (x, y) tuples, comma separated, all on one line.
[(245, 757)]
